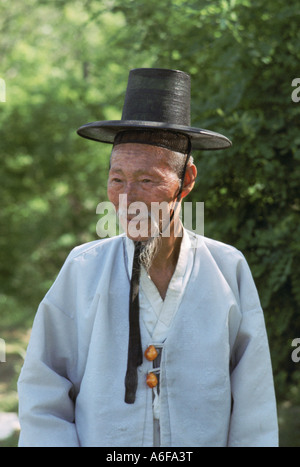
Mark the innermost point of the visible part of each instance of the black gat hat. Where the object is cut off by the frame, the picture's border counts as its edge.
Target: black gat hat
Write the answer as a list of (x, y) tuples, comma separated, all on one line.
[(156, 99)]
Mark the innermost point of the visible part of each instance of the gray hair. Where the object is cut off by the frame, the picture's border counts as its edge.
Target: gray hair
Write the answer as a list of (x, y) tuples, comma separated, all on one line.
[(176, 161)]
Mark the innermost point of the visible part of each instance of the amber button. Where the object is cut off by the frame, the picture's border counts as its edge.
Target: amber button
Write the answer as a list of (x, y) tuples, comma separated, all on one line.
[(151, 380), (151, 353)]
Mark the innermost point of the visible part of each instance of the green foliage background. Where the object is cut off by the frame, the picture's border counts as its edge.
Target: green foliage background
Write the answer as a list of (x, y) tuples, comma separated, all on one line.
[(66, 63)]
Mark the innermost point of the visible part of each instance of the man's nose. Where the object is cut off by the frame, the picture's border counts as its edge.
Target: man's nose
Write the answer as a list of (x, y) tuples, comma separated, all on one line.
[(131, 191)]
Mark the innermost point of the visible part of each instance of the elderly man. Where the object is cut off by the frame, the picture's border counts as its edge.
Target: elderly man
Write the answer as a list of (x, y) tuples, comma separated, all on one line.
[(150, 339)]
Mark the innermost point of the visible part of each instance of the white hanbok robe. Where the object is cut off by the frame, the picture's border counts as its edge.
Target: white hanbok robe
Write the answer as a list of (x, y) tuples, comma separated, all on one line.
[(216, 383)]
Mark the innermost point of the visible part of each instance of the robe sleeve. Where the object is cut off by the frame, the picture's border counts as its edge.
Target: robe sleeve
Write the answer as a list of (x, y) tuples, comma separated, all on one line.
[(46, 405), (254, 414)]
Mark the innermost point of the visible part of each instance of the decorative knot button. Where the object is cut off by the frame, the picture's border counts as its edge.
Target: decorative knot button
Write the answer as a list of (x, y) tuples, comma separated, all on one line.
[(151, 380), (151, 353)]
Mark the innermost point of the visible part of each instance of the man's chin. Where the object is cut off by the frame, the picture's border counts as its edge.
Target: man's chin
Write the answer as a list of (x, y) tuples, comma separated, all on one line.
[(139, 238)]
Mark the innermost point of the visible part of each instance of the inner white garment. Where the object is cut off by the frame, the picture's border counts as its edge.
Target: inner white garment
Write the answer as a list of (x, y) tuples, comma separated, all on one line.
[(157, 313)]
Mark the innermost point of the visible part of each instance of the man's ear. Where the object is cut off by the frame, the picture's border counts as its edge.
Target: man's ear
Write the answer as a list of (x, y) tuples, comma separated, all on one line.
[(189, 180)]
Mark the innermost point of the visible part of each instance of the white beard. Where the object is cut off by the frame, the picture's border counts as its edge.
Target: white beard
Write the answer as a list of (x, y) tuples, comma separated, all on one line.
[(149, 251)]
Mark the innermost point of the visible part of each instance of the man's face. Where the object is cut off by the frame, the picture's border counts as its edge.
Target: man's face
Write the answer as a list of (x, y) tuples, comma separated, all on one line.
[(141, 172)]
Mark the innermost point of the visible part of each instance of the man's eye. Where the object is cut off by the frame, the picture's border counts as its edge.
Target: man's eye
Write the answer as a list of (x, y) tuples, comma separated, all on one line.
[(146, 180), (116, 180)]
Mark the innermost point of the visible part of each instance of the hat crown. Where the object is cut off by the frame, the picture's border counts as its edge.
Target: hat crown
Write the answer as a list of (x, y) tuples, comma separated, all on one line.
[(158, 95)]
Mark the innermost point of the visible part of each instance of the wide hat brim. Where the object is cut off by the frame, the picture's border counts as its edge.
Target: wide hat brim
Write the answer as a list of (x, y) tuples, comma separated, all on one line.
[(106, 131)]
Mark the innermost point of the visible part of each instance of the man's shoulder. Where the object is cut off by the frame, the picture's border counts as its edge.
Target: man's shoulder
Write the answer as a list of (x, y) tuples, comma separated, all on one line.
[(216, 247), (226, 257), (230, 262), (95, 248)]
